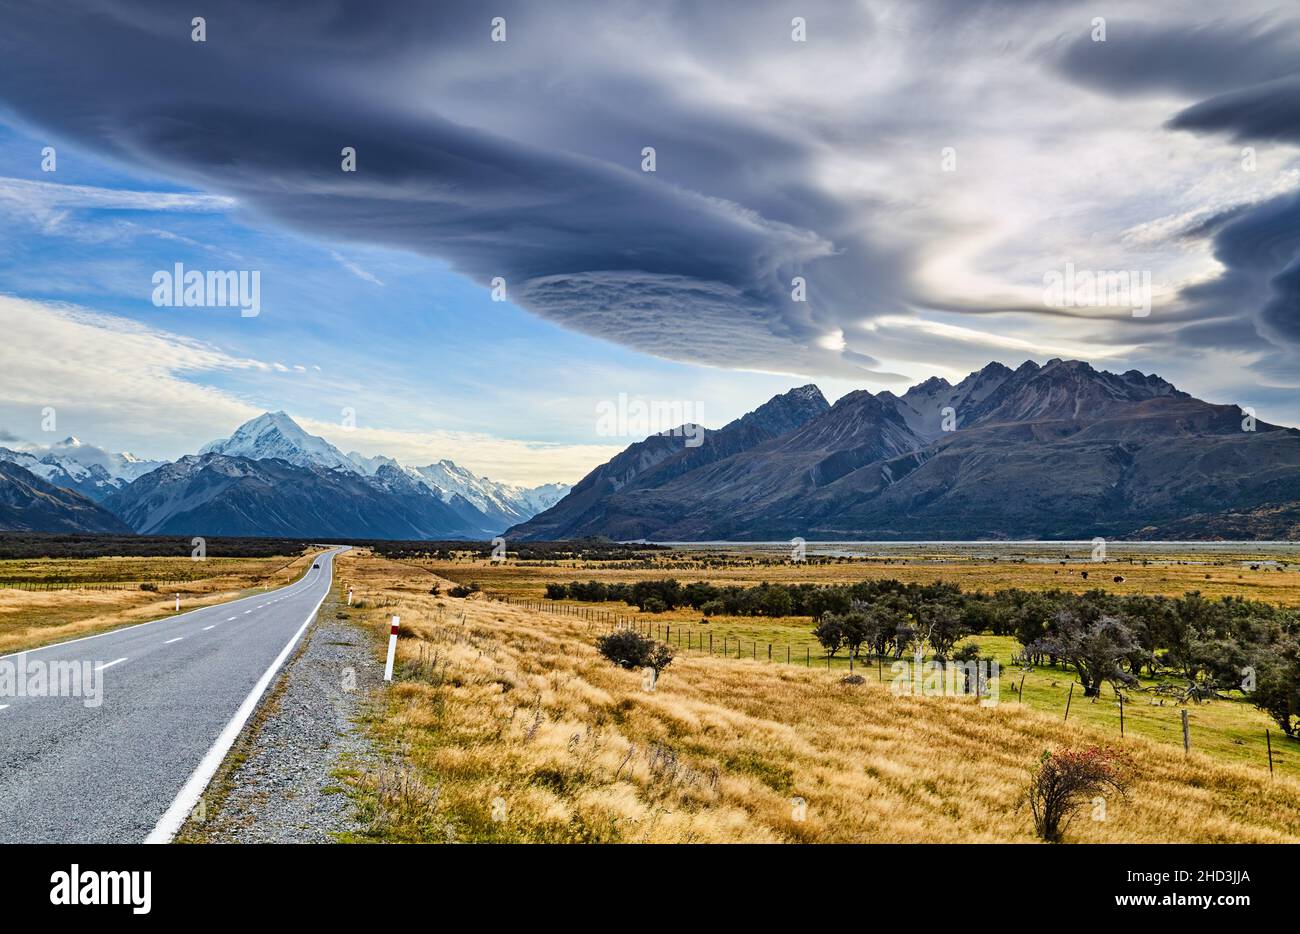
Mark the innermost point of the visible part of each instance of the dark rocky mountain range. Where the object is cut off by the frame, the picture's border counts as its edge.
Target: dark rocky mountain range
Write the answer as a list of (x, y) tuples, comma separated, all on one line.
[(1061, 451), (661, 459), (214, 494), (269, 478), (30, 504)]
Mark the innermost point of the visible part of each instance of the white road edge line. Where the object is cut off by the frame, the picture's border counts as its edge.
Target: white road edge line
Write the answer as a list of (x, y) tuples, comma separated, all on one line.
[(104, 665), (150, 622), (170, 641), (213, 626), (4, 706), (170, 823)]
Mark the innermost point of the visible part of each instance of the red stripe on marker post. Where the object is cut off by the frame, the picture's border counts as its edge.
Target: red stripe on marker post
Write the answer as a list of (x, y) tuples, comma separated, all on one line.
[(392, 649)]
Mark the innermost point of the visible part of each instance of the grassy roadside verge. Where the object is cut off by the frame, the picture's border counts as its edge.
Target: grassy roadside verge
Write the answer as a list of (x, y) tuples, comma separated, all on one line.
[(504, 724)]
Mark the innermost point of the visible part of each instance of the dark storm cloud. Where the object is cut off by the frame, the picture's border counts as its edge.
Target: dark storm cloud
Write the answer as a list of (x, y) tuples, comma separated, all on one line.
[(1196, 60), (693, 262), (1260, 252), (775, 159), (1267, 112), (1248, 74)]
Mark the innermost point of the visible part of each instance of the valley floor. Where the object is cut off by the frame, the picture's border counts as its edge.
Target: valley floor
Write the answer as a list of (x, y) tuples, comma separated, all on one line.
[(504, 724)]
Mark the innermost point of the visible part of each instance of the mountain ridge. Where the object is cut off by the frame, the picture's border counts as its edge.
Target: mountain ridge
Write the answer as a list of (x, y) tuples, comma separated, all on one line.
[(1061, 450), (29, 503)]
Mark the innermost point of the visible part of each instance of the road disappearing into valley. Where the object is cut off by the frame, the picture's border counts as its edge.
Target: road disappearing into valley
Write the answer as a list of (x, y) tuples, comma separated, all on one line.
[(173, 695)]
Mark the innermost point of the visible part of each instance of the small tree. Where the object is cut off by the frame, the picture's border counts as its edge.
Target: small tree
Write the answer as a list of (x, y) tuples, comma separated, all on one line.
[(1097, 650), (1066, 779), (855, 631), (881, 623), (1277, 687), (830, 633), (627, 648), (943, 625)]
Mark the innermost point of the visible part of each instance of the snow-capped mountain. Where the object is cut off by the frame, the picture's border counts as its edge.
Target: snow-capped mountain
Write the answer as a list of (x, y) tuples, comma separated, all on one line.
[(500, 502), (74, 465), (216, 494), (30, 504), (370, 465), (276, 435), (225, 487)]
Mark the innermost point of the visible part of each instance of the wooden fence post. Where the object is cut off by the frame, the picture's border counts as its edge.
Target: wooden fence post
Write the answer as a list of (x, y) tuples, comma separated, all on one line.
[(1268, 738), (1187, 735), (1067, 702), (1020, 691), (1121, 716)]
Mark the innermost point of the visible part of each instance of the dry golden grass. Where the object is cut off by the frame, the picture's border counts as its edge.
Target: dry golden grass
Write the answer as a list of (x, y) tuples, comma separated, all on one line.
[(1219, 577), (497, 702), (29, 619)]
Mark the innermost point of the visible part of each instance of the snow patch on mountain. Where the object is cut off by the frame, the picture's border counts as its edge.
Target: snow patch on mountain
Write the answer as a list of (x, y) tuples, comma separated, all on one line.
[(499, 501), (276, 435), (75, 465)]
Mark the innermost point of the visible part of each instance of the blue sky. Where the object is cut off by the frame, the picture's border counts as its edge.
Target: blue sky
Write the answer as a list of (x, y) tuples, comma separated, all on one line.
[(925, 209), (431, 365)]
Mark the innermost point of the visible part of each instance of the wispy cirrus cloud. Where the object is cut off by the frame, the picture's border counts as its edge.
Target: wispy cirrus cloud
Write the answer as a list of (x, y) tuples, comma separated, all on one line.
[(126, 385), (38, 196)]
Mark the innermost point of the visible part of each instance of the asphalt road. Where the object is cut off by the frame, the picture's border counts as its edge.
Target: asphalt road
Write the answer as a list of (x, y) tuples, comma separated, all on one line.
[(174, 692)]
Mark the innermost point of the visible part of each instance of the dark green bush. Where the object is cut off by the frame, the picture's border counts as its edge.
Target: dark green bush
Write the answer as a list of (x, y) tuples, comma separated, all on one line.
[(627, 648)]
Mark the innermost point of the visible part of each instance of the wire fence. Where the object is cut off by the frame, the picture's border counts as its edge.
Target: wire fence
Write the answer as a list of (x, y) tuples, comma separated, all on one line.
[(704, 642)]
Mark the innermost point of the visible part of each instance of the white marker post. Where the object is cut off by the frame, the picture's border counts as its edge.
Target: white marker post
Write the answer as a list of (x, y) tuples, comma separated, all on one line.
[(392, 650), (178, 603), (349, 596)]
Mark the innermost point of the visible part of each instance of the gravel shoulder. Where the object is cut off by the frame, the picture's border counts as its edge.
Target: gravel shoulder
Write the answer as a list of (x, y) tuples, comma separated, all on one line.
[(281, 781)]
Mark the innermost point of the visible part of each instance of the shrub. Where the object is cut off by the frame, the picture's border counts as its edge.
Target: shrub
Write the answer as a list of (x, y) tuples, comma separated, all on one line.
[(460, 591), (654, 605), (152, 588), (1064, 780), (556, 591), (627, 648), (830, 633)]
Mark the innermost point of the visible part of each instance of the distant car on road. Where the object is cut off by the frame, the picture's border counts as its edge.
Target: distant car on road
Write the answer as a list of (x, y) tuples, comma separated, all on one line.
[(316, 565)]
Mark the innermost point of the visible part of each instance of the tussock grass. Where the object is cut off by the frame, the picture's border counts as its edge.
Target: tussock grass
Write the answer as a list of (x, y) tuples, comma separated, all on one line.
[(513, 715)]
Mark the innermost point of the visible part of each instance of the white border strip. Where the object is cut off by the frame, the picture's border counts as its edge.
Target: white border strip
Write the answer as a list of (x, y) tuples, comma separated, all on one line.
[(170, 823)]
